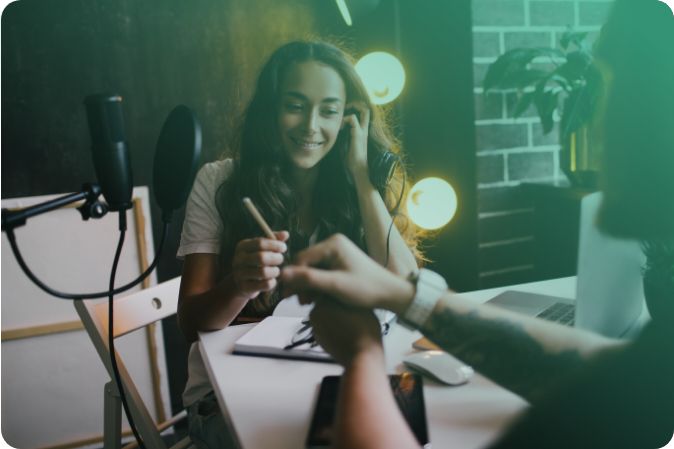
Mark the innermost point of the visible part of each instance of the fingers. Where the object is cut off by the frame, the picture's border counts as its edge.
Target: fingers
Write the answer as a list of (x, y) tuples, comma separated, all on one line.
[(362, 118), (255, 265), (326, 254), (350, 121), (264, 244), (282, 235), (256, 286), (257, 259), (303, 280), (365, 117), (259, 273)]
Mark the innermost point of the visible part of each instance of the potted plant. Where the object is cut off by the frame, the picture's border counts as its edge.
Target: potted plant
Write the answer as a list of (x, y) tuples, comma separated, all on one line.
[(562, 79), (658, 275)]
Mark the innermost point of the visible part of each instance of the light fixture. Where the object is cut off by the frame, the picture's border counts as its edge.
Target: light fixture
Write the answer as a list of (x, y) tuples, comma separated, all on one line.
[(344, 10), (431, 203), (383, 76)]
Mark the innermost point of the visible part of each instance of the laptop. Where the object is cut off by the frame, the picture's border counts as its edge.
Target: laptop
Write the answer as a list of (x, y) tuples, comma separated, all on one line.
[(609, 287)]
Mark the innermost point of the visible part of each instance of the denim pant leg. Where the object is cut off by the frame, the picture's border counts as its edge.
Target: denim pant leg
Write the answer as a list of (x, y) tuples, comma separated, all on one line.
[(207, 427)]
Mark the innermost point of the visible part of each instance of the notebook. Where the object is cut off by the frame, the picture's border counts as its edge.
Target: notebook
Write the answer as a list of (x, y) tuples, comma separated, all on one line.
[(271, 336), (609, 286), (283, 334)]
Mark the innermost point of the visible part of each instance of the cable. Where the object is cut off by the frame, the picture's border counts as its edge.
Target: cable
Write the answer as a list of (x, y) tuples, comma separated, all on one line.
[(394, 214), (58, 294), (111, 337)]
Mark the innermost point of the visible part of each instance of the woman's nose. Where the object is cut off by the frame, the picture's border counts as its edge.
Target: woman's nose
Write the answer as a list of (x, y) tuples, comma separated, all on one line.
[(311, 122)]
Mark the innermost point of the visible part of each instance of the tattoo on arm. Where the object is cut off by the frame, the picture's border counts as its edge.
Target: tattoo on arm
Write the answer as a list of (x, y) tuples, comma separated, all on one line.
[(500, 349)]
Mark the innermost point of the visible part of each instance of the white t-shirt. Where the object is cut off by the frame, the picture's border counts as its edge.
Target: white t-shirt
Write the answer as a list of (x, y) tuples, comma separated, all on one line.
[(202, 230)]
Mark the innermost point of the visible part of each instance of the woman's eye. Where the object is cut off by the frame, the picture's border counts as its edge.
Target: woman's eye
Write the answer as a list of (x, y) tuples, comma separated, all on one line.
[(330, 112), (293, 107)]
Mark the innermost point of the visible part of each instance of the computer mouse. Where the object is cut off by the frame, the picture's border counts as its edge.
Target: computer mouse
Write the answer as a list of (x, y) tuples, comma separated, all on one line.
[(440, 366)]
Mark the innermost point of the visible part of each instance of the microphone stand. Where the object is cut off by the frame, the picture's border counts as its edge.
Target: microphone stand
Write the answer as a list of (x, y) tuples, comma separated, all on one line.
[(92, 207)]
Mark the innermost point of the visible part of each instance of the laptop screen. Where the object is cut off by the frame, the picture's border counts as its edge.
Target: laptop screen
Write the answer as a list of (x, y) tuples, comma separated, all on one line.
[(609, 289)]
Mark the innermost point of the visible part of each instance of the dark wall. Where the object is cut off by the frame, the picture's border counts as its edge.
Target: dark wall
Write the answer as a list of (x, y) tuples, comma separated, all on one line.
[(156, 54), (439, 129)]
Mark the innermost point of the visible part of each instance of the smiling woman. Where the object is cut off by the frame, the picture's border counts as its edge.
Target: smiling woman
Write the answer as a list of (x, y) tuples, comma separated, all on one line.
[(307, 155), (310, 116)]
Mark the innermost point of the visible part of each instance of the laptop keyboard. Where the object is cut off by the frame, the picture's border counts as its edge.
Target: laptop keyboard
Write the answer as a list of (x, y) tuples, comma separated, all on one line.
[(559, 312)]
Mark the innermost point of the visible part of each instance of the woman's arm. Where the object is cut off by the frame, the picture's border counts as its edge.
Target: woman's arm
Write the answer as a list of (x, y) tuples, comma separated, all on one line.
[(374, 214), (376, 223), (207, 304), (367, 415), (204, 303), (524, 354)]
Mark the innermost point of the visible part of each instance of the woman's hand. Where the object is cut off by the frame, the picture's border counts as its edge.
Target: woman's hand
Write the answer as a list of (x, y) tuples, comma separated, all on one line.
[(357, 119), (338, 268), (346, 332), (256, 264)]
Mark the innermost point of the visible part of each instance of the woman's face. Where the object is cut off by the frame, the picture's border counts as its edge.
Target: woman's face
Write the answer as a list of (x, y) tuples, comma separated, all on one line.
[(313, 96)]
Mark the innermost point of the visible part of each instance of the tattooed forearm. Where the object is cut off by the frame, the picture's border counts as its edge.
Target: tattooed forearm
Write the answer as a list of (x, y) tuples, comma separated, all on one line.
[(522, 354)]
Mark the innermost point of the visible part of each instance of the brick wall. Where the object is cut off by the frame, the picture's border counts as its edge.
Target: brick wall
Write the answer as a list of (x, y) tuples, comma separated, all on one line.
[(510, 151)]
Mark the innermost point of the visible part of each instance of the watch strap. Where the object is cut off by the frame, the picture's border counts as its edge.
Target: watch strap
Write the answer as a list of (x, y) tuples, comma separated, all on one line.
[(429, 288)]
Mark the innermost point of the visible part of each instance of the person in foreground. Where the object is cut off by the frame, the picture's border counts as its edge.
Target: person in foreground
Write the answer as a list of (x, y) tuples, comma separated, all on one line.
[(307, 157), (584, 390)]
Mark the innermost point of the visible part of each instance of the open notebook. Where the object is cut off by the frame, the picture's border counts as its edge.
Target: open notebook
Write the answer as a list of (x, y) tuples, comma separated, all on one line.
[(286, 334), (272, 337)]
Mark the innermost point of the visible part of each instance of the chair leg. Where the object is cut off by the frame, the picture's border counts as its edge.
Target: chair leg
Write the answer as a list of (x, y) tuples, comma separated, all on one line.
[(112, 416)]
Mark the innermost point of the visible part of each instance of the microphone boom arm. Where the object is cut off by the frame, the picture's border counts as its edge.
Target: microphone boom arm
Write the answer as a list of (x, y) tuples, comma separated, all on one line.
[(92, 208)]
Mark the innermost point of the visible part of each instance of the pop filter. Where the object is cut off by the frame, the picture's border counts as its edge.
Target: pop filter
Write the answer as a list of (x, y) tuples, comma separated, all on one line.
[(176, 160)]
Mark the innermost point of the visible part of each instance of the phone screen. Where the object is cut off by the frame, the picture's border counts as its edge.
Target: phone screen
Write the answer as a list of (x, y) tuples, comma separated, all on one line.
[(407, 390)]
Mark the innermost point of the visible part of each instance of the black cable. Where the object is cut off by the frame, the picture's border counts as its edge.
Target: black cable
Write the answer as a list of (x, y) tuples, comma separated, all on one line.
[(394, 214), (58, 294), (111, 337)]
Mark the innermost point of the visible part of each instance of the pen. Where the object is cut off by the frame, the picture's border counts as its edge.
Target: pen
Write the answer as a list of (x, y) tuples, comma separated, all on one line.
[(258, 218), (263, 224)]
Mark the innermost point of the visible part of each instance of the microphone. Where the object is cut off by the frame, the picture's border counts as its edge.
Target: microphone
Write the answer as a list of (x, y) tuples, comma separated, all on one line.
[(109, 149), (176, 160)]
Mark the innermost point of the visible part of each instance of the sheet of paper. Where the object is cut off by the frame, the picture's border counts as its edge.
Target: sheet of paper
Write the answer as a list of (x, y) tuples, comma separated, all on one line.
[(291, 306)]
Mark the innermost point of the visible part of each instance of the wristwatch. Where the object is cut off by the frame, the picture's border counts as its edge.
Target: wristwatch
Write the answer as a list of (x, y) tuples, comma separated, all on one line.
[(429, 288)]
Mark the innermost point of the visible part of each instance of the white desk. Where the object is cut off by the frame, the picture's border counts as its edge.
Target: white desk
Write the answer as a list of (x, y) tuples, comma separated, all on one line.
[(270, 401)]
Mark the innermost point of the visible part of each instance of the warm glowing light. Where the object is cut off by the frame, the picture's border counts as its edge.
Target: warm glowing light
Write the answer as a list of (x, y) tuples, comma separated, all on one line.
[(383, 76), (431, 203), (341, 4)]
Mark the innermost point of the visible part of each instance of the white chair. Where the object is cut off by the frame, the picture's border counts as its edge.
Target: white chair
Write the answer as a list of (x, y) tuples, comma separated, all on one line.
[(132, 312)]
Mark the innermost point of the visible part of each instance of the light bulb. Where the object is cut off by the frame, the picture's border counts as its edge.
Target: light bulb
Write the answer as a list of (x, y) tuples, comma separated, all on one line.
[(383, 76), (431, 203)]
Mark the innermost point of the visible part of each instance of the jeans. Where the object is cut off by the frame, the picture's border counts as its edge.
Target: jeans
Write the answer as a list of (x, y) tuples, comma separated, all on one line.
[(207, 427)]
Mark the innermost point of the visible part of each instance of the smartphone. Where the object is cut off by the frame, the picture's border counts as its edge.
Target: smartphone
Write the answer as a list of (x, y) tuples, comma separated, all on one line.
[(409, 395)]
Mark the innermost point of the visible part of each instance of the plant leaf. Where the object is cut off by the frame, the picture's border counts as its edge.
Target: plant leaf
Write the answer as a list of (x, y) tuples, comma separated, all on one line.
[(546, 103), (510, 69), (577, 63), (523, 103), (561, 81), (570, 37)]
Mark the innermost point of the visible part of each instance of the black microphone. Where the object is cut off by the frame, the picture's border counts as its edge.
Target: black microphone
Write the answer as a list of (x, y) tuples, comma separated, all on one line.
[(176, 160), (109, 149)]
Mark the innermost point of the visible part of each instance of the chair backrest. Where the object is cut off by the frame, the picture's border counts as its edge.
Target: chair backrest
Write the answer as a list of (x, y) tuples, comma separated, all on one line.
[(131, 312), (51, 373)]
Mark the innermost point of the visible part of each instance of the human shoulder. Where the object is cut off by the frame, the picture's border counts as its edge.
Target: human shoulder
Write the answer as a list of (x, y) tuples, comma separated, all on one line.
[(212, 174)]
